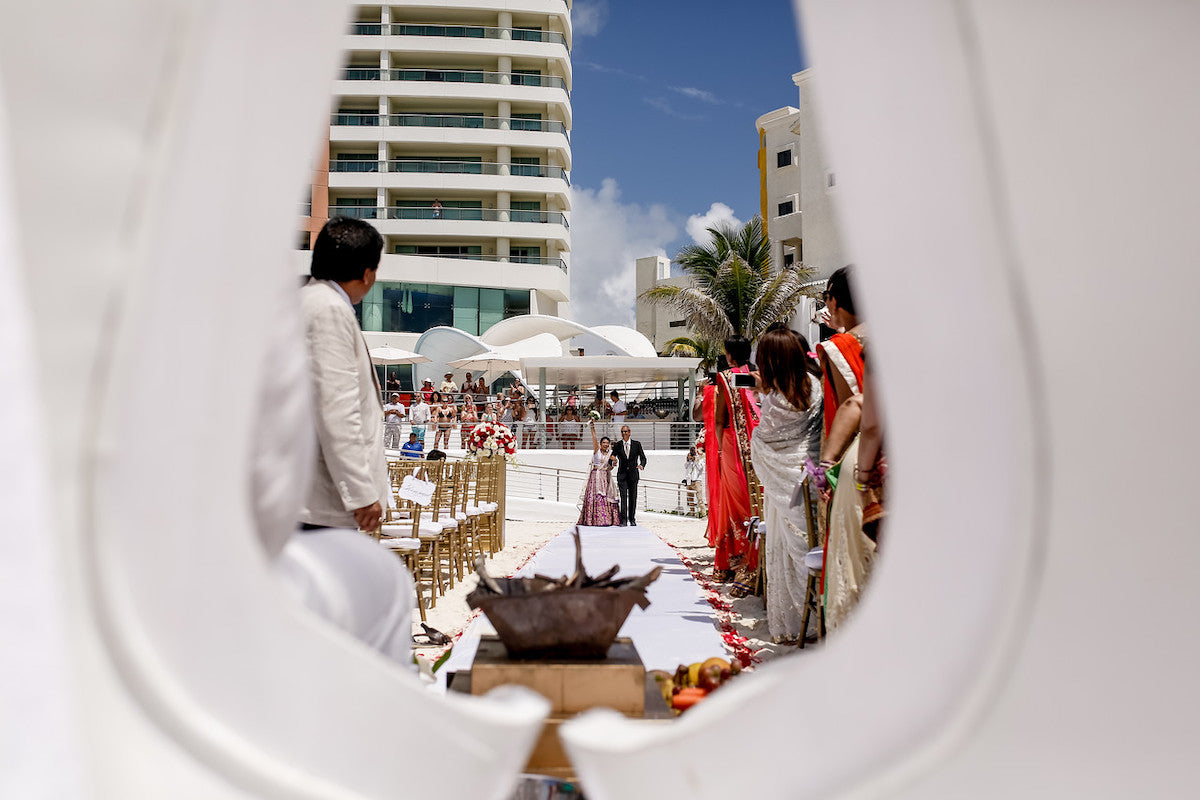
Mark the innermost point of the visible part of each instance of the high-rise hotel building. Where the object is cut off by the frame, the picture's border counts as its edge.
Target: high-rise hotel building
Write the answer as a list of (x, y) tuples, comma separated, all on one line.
[(450, 132)]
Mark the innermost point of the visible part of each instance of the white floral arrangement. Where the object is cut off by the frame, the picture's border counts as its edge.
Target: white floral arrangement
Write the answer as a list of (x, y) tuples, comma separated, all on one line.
[(594, 415), (492, 438)]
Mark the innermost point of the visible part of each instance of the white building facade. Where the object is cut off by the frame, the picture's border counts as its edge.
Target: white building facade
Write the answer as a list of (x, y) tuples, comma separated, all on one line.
[(799, 190), (658, 323), (450, 133)]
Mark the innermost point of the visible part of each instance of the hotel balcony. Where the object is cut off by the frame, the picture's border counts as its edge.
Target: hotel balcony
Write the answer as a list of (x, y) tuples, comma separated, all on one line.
[(492, 223), (455, 84), (462, 40), (552, 278), (449, 174), (456, 129)]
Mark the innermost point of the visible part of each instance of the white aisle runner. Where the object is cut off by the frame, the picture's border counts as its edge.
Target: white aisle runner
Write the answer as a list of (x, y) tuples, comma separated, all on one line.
[(679, 627)]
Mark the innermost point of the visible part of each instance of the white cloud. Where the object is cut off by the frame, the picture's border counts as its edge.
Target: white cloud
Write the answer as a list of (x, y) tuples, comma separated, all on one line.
[(607, 238), (666, 108), (718, 215), (697, 94), (588, 17)]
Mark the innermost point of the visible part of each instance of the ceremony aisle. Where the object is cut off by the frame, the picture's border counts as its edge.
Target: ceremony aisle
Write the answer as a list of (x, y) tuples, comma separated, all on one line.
[(677, 628)]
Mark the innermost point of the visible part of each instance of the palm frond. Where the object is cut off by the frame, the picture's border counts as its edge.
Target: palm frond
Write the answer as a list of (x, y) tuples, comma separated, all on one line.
[(777, 300), (706, 350)]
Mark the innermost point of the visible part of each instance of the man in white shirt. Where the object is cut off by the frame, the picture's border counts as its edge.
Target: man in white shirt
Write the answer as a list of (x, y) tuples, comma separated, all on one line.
[(419, 417), (618, 407), (448, 385), (393, 415)]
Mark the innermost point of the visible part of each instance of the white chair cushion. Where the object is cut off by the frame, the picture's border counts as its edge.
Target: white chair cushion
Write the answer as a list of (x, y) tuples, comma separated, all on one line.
[(430, 530), (397, 531), (445, 522), (812, 559), (405, 543)]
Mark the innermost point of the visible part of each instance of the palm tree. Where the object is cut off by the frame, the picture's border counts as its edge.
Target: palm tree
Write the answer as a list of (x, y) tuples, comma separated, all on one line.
[(735, 290), (707, 350)]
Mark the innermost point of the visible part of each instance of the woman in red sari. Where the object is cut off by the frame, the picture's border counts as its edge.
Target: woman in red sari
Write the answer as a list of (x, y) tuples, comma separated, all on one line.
[(712, 463), (735, 415)]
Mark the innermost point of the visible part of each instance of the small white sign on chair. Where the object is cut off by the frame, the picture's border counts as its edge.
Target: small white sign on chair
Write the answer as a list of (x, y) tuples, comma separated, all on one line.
[(416, 490)]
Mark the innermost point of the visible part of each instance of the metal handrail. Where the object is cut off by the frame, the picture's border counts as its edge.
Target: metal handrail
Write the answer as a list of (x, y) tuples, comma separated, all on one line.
[(566, 486), (653, 434), (543, 260)]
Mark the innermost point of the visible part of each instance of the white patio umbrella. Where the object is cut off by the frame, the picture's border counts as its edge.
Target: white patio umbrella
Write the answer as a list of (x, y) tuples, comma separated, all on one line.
[(387, 355), (492, 361)]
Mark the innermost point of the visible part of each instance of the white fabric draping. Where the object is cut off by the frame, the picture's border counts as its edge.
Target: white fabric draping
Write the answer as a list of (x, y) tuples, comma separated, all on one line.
[(349, 580)]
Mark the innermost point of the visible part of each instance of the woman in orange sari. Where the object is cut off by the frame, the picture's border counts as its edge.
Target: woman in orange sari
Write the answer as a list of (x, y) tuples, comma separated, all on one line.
[(735, 417), (848, 551)]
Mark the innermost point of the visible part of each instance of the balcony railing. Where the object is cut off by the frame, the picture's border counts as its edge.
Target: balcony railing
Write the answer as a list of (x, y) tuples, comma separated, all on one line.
[(458, 32), (449, 214), (450, 167), (454, 76), (371, 119), (543, 260)]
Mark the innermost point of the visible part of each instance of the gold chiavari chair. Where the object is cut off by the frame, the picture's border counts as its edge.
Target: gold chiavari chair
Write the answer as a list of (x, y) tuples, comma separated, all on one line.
[(813, 563)]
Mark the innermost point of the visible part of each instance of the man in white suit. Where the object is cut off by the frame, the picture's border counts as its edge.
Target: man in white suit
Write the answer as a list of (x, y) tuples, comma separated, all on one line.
[(350, 479)]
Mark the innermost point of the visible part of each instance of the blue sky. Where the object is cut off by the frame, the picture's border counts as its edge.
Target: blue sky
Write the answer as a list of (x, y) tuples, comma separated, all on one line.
[(664, 99)]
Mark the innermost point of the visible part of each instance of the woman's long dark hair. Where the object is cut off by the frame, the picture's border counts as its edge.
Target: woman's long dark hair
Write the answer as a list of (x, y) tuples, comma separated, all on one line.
[(783, 365)]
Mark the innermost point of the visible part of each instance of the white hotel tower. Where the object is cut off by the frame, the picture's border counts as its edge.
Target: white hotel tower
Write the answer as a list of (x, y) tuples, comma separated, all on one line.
[(450, 132)]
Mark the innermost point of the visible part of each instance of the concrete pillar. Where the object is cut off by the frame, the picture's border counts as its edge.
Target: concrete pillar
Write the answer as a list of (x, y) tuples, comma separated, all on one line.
[(385, 64), (503, 158), (503, 199), (504, 67), (542, 406), (505, 24), (502, 251), (504, 111)]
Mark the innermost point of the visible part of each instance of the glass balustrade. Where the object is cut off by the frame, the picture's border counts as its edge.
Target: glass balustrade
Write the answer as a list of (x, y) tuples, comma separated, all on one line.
[(449, 167), (425, 212), (478, 121), (459, 32)]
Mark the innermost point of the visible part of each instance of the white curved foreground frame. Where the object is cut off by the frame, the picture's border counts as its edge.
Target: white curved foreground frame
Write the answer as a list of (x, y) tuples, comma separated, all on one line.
[(157, 149), (1004, 169)]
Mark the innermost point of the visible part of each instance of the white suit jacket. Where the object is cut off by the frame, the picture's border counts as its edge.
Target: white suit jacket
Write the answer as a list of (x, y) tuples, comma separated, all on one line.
[(351, 471)]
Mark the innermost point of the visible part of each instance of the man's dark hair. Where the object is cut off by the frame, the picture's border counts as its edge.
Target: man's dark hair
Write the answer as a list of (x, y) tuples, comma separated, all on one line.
[(738, 348), (840, 287), (435, 455), (613, 394), (345, 249)]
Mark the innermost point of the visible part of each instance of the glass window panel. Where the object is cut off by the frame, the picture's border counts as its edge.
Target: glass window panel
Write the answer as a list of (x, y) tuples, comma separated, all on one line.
[(491, 308), (466, 309), (516, 302)]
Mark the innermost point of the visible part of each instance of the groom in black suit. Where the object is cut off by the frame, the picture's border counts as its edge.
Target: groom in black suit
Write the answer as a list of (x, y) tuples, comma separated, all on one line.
[(628, 452)]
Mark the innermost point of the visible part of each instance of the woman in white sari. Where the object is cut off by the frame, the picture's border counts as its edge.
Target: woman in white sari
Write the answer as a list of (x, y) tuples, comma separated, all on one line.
[(788, 433)]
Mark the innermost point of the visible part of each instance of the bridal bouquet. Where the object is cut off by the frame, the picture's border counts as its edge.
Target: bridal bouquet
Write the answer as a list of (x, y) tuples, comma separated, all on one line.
[(594, 415), (492, 438)]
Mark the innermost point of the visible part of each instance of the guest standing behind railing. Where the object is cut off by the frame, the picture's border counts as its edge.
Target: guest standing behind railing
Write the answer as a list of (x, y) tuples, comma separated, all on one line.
[(529, 426), (393, 415), (468, 418), (570, 428)]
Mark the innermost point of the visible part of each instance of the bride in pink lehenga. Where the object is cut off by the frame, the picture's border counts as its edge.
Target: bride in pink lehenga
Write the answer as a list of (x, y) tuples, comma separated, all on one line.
[(600, 501)]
